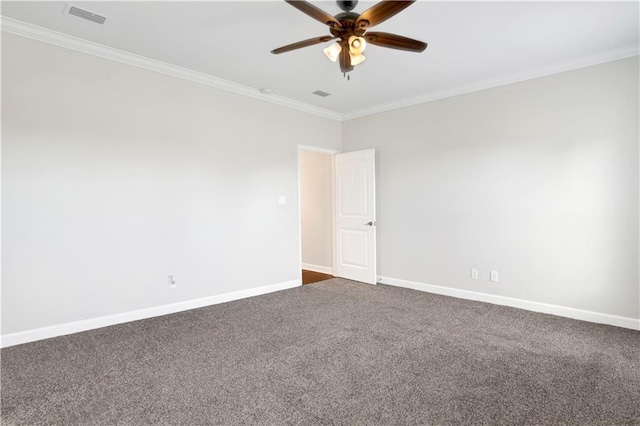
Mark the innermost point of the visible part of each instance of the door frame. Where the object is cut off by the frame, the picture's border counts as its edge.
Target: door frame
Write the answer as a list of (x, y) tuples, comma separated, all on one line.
[(332, 153)]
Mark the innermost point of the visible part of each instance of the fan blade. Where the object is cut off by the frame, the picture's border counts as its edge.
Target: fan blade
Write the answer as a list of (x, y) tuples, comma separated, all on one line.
[(315, 12), (394, 41), (345, 59), (301, 44), (380, 12)]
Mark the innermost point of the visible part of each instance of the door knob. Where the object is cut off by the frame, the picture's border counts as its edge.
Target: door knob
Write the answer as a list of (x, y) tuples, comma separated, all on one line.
[(369, 223)]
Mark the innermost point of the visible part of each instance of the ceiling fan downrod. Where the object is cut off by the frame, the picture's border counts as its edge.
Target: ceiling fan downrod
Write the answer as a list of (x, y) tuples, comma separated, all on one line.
[(347, 5)]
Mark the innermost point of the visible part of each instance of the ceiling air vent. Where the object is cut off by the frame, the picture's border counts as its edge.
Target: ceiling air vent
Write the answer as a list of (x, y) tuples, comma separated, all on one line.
[(84, 14), (321, 93)]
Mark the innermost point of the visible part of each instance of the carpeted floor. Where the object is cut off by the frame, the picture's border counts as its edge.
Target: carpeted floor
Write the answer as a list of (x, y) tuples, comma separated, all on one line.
[(335, 352)]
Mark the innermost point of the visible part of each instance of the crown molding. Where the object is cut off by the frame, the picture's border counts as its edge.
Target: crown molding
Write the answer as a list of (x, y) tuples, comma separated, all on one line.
[(572, 64), (14, 26), (24, 29)]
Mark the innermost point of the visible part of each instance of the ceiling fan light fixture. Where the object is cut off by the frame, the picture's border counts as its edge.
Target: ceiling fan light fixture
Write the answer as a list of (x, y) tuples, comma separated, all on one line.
[(356, 59), (350, 27), (333, 51), (357, 45)]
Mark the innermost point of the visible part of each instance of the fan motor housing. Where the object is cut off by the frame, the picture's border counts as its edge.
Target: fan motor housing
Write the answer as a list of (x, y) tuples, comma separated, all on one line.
[(348, 21), (346, 16)]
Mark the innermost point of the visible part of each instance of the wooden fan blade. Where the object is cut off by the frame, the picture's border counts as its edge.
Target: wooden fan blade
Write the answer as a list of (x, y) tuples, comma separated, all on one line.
[(315, 12), (301, 44), (394, 41), (380, 12), (345, 59)]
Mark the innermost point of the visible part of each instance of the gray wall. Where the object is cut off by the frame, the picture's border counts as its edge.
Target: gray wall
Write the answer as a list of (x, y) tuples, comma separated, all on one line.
[(114, 177), (538, 180)]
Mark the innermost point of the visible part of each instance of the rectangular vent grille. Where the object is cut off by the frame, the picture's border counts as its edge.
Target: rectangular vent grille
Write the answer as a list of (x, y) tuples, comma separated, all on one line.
[(321, 93), (85, 14)]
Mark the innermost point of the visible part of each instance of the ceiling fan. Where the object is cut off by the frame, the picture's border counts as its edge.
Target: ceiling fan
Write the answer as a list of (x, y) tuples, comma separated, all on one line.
[(351, 30)]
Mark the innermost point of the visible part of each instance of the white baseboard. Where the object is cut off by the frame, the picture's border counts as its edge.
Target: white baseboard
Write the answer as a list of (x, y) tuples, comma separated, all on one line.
[(317, 268), (93, 323), (563, 311)]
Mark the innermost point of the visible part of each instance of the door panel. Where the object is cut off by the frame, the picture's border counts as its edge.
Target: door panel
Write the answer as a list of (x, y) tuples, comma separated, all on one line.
[(355, 216), (354, 248)]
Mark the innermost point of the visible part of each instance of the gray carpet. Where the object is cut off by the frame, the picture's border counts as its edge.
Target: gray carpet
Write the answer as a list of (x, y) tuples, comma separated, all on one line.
[(335, 352)]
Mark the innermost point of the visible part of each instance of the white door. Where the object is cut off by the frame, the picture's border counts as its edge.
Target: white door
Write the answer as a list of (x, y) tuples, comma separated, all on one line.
[(355, 239)]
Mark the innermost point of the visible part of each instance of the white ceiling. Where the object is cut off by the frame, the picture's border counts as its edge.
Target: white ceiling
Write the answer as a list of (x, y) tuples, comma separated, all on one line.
[(471, 44)]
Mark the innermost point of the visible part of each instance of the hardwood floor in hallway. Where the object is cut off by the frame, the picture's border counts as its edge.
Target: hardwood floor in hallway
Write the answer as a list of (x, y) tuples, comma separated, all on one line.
[(310, 277)]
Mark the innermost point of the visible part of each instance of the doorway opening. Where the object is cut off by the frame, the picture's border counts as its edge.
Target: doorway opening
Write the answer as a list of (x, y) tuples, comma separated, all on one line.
[(315, 177)]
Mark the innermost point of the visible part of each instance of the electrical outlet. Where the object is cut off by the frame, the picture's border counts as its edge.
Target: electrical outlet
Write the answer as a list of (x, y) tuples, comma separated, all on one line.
[(474, 274), (494, 276), (172, 283)]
